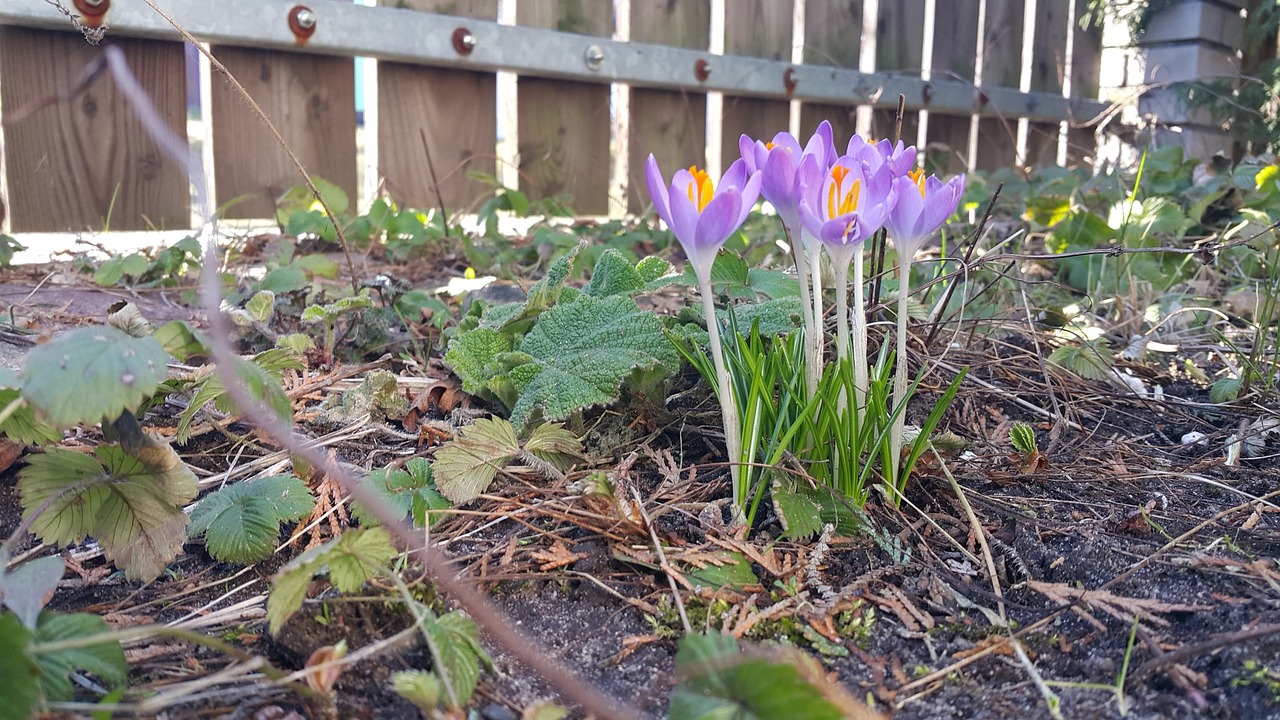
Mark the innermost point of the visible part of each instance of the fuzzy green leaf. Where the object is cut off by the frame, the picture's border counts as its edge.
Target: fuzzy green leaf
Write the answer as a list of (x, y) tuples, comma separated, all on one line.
[(1224, 390), (721, 682), (1091, 360), (132, 505), (241, 522), (22, 425), (351, 558), (92, 374), (465, 467), (614, 275), (333, 310), (261, 306), (104, 660), (471, 355), (582, 352), (801, 517), (19, 691), (652, 268)]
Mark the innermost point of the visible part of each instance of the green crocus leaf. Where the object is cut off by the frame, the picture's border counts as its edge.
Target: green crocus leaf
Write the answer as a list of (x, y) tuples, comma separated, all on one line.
[(241, 522), (92, 374)]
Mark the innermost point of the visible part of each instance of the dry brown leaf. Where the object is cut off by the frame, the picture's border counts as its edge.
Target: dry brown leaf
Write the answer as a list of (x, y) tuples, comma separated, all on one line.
[(1117, 606), (557, 557)]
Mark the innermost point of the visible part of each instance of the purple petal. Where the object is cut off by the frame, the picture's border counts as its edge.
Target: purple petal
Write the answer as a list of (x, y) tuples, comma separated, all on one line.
[(747, 148), (778, 181), (684, 216), (657, 189), (748, 196), (735, 177), (718, 221)]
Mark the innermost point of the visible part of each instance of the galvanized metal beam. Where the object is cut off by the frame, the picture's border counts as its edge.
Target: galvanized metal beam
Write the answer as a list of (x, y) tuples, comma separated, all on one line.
[(387, 33)]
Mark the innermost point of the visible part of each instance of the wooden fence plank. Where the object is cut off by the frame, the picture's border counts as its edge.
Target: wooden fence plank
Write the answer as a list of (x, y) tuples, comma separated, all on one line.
[(955, 47), (899, 41), (1086, 72), (755, 28), (457, 111), (1049, 56), (77, 165), (563, 126), (309, 99), (1002, 66), (671, 125), (832, 36)]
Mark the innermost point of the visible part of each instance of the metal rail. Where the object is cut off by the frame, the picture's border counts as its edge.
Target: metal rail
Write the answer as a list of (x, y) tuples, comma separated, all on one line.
[(387, 33)]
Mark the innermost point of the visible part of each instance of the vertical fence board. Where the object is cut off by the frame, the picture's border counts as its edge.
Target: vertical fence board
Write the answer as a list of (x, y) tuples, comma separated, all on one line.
[(899, 40), (1086, 70), (1049, 55), (955, 47), (1002, 66), (455, 109), (671, 125), (563, 125), (832, 36), (755, 28), (73, 165), (310, 100)]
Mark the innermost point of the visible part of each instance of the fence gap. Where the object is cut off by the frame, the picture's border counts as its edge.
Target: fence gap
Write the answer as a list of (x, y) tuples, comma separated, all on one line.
[(755, 28), (899, 30), (832, 36), (997, 144)]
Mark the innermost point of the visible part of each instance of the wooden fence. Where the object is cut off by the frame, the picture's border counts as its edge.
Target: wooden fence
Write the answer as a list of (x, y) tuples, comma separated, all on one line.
[(84, 161)]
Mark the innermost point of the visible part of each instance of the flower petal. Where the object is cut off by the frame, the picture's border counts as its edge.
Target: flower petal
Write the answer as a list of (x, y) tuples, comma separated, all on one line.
[(718, 221), (657, 189)]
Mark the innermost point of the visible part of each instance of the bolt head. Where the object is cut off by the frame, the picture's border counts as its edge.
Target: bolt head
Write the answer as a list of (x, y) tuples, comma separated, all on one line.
[(305, 18), (469, 41), (594, 57)]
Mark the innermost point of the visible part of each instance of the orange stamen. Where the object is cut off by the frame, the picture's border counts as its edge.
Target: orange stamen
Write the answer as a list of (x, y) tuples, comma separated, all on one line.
[(701, 189), (917, 176), (839, 203)]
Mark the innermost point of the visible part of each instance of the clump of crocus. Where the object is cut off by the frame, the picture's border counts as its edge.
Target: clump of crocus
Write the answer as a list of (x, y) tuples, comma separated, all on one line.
[(923, 204), (843, 206), (702, 217), (779, 163)]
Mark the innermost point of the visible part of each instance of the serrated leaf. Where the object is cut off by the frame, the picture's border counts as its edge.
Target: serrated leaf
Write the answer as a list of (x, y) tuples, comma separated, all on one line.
[(555, 445), (1224, 390), (92, 374), (1090, 360), (104, 660), (466, 466), (24, 589), (411, 490), (582, 352), (128, 319), (613, 275), (351, 558), (1023, 438), (20, 689), (333, 310), (241, 522), (731, 570), (653, 267), (132, 505), (800, 516), (22, 425), (259, 376), (471, 355), (456, 641), (180, 340), (296, 342), (720, 681), (261, 306), (419, 687)]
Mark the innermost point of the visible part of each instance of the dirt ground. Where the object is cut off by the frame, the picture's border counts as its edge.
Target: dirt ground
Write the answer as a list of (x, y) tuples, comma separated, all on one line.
[(1119, 519)]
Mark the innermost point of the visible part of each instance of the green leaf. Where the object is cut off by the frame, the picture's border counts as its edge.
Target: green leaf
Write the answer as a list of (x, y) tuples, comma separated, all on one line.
[(466, 466), (132, 505), (19, 691), (22, 425), (351, 559), (104, 660), (334, 310), (259, 376), (1023, 438), (241, 522), (287, 279), (733, 570), (1224, 390), (126, 317), (419, 687), (581, 352), (555, 445), (720, 681), (113, 269), (298, 343), (614, 275), (800, 516), (1090, 360), (472, 354), (180, 340), (411, 490), (456, 641), (261, 306), (652, 268), (25, 590), (92, 374)]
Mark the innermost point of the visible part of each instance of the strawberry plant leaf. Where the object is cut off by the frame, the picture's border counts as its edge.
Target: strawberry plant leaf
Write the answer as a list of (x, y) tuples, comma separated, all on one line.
[(465, 467), (351, 559), (181, 340), (456, 644), (411, 490), (131, 504), (800, 516), (25, 590), (22, 425), (241, 522), (260, 376), (104, 660), (555, 445), (92, 374), (1023, 438), (20, 690), (1090, 360)]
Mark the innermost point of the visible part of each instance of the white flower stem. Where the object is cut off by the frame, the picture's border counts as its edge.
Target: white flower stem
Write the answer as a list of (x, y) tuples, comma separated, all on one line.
[(859, 337), (728, 405), (819, 337), (812, 371), (900, 377)]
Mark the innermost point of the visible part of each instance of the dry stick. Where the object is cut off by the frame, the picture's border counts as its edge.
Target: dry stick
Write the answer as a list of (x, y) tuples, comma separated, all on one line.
[(1190, 651), (877, 268), (662, 558), (220, 332), (979, 534), (306, 177), (431, 168)]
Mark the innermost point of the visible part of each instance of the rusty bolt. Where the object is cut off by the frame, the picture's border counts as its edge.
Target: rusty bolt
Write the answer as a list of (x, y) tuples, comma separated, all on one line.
[(702, 70), (464, 41), (302, 21), (594, 57), (789, 80)]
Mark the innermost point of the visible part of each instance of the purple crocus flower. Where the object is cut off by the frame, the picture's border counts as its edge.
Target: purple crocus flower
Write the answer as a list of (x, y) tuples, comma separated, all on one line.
[(701, 216), (846, 204), (779, 161), (923, 205)]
